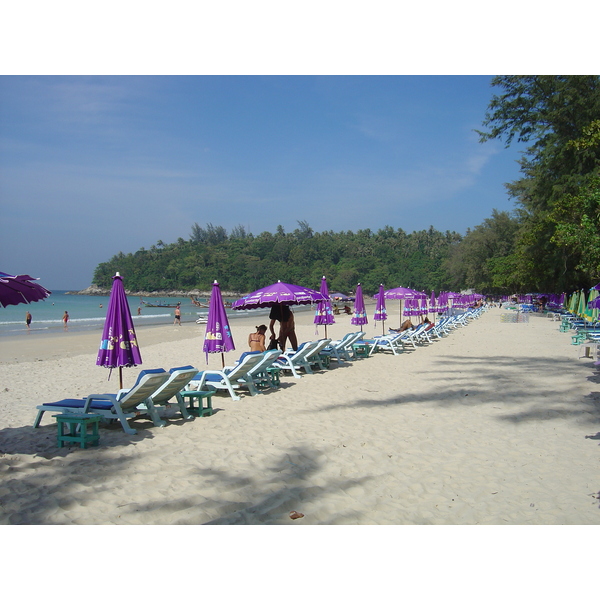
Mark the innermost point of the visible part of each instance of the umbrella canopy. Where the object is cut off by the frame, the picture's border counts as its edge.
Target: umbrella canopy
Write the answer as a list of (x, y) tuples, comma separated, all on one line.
[(594, 303), (340, 296), (278, 293), (573, 302), (118, 347), (402, 293), (20, 289), (324, 312), (380, 310), (582, 305), (217, 337), (360, 314)]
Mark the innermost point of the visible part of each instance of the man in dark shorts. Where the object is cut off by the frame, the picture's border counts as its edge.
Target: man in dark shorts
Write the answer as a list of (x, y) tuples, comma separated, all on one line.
[(283, 314), (28, 320)]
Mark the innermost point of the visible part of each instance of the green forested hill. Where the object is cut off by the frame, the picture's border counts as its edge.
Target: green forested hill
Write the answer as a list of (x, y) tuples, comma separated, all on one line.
[(243, 262)]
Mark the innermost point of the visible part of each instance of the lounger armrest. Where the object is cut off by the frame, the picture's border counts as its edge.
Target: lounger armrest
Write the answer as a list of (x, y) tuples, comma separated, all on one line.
[(102, 397)]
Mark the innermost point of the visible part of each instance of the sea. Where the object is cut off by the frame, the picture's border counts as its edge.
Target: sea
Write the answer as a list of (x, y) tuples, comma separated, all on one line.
[(88, 313)]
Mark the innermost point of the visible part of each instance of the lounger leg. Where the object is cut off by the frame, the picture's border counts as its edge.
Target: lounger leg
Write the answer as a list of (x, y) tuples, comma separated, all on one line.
[(182, 408), (307, 368), (158, 422), (231, 391), (38, 418), (123, 420)]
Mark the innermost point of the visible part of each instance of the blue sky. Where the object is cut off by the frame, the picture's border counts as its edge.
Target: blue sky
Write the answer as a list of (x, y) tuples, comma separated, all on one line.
[(94, 165)]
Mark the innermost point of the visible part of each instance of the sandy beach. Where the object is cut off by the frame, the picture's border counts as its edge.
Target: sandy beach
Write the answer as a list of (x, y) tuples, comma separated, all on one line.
[(499, 423)]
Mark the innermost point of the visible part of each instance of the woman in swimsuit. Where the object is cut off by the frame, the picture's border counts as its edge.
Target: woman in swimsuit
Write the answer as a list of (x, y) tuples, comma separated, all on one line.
[(256, 341)]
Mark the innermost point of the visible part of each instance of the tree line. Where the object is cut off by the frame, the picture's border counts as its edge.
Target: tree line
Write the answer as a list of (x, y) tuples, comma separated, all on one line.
[(550, 242), (242, 262)]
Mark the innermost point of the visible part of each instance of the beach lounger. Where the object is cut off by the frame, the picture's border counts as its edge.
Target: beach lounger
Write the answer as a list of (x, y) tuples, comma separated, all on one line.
[(314, 357), (179, 377), (293, 361), (392, 341), (122, 406), (229, 378), (261, 374), (340, 349)]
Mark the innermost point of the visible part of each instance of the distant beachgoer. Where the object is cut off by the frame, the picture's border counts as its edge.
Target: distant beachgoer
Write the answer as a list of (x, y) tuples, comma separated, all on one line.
[(28, 319), (66, 320), (139, 310), (256, 341), (347, 309), (101, 306), (287, 330), (336, 309), (177, 316)]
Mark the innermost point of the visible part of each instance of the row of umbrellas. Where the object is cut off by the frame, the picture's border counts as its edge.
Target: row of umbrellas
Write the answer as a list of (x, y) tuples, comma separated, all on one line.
[(119, 347)]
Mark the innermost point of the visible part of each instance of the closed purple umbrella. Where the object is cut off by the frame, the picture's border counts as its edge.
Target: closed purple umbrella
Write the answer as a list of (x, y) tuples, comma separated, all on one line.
[(380, 311), (423, 312), (360, 314), (118, 347), (217, 337), (278, 293), (324, 313), (20, 289), (433, 307)]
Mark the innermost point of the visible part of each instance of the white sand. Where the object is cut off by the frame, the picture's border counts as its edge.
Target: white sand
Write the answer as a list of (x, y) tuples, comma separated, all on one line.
[(496, 424)]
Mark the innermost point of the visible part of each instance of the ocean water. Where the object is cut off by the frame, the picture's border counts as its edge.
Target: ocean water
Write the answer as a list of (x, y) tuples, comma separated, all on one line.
[(88, 313)]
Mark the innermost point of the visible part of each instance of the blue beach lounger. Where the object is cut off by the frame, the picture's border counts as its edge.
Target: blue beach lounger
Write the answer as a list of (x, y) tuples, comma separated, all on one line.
[(230, 378), (126, 404)]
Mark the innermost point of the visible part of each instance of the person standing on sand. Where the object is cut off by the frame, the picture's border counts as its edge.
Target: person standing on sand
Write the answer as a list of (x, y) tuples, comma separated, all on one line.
[(177, 316), (287, 329), (66, 320), (28, 319)]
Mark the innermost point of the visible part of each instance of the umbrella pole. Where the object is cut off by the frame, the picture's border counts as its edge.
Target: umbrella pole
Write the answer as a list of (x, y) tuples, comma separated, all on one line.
[(383, 327), (120, 378), (325, 330), (222, 360)]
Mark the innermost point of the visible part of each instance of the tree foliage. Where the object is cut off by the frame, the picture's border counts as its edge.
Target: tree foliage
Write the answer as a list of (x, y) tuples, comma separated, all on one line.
[(558, 116), (242, 263)]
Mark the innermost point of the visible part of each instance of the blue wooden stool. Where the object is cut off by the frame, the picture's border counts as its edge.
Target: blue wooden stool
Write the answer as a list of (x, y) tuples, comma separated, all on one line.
[(83, 437)]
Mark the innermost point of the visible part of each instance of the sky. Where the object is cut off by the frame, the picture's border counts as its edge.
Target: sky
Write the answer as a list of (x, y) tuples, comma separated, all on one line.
[(116, 133), (95, 165)]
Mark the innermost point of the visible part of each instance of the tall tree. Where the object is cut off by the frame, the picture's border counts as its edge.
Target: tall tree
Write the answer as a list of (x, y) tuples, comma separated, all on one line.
[(551, 113)]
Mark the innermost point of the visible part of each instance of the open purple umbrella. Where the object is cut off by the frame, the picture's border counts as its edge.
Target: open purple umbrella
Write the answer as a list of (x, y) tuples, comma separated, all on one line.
[(20, 289), (217, 337), (278, 293), (324, 313), (118, 347), (340, 296), (360, 314), (380, 311), (402, 293)]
